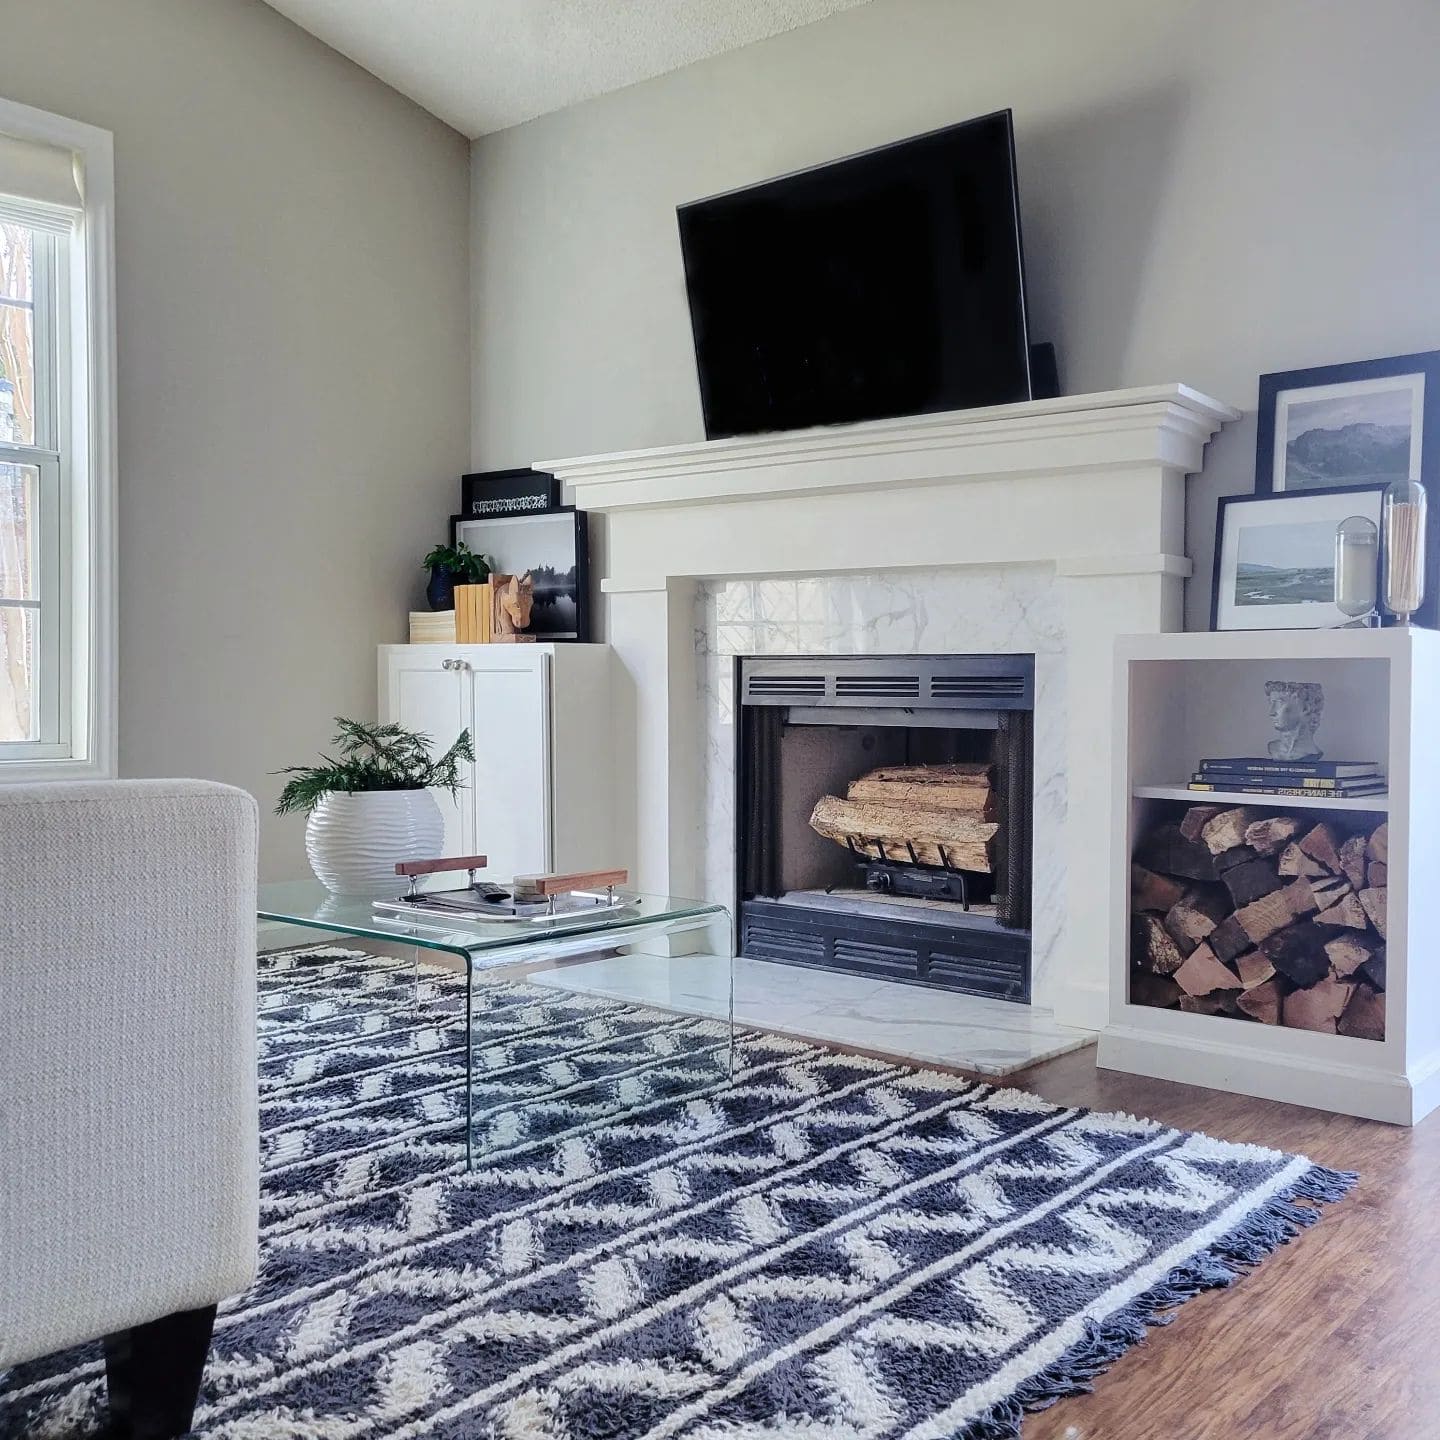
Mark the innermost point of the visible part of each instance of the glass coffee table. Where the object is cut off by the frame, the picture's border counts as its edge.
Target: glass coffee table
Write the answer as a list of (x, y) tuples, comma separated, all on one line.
[(634, 942)]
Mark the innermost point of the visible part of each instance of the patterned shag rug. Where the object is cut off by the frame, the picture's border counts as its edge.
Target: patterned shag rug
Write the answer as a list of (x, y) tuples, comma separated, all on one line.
[(834, 1247)]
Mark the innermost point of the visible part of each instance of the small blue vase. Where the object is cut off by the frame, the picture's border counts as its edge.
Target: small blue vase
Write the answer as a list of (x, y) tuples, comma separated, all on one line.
[(440, 592)]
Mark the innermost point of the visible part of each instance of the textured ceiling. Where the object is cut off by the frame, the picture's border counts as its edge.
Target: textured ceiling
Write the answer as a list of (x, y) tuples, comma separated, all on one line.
[(481, 65)]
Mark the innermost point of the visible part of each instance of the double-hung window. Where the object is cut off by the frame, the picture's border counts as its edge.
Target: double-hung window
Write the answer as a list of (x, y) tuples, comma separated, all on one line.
[(37, 590), (56, 449)]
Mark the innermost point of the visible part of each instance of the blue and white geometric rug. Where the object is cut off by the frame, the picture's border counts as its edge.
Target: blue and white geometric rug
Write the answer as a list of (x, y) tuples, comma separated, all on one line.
[(834, 1248)]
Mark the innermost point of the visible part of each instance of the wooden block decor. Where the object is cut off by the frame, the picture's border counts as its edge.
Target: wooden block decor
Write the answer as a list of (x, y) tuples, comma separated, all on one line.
[(1262, 916), (472, 614)]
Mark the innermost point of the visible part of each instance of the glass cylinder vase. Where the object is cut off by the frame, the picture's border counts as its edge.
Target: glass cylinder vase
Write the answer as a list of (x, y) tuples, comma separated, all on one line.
[(1357, 569), (1403, 524)]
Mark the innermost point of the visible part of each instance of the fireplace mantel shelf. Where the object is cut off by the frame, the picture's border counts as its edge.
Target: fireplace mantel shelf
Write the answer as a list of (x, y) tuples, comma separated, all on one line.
[(1158, 425)]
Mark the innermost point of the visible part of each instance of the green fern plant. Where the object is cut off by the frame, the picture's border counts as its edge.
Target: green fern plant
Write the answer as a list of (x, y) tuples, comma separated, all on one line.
[(373, 757)]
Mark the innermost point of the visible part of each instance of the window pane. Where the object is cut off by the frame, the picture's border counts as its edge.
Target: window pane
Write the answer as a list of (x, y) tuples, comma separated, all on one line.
[(17, 335), (19, 531), (17, 263), (19, 700)]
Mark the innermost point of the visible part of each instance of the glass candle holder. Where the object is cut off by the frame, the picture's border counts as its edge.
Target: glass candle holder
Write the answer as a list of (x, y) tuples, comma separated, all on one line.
[(1403, 522), (1357, 569)]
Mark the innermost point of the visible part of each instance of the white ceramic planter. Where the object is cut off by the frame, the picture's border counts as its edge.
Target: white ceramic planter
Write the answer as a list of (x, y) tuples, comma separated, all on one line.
[(354, 841)]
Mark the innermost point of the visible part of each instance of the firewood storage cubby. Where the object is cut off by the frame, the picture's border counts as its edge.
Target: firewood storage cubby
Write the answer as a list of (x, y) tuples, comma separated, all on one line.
[(1278, 945)]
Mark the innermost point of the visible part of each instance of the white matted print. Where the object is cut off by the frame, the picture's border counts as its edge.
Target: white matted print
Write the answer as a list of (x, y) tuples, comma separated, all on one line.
[(1275, 558), (1358, 432)]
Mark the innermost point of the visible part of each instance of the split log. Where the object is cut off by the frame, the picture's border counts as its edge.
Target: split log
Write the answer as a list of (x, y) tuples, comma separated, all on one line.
[(1196, 818), (1268, 835), (1262, 918), (1294, 861), (1328, 890), (1218, 1002), (1319, 844), (916, 786), (1317, 1007), (1377, 874), (973, 773), (1255, 968), (1229, 859), (1166, 851), (1202, 973), (1227, 829), (1196, 914), (1149, 891), (1152, 946), (1228, 939), (1147, 988), (1373, 970), (1364, 1014), (1348, 953), (1378, 846), (964, 838), (1250, 881), (1298, 953), (1262, 1002), (1346, 911), (1374, 902), (1352, 861)]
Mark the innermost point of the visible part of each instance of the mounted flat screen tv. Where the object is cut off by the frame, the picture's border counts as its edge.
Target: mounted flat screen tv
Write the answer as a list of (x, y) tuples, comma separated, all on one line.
[(889, 283)]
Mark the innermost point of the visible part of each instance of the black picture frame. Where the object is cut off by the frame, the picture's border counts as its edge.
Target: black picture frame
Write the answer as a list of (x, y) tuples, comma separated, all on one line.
[(1366, 498), (539, 543), (1422, 370)]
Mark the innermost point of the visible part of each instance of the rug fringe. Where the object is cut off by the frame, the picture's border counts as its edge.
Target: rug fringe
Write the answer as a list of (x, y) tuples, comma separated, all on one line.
[(1278, 1221)]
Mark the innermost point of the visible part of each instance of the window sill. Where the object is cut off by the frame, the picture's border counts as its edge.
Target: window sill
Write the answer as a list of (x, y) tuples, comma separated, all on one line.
[(42, 772)]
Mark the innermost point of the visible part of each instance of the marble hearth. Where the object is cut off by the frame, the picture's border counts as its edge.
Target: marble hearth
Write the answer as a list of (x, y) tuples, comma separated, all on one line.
[(1049, 528)]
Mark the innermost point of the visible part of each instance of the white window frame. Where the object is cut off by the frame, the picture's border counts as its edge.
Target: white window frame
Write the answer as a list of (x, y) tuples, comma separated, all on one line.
[(79, 736)]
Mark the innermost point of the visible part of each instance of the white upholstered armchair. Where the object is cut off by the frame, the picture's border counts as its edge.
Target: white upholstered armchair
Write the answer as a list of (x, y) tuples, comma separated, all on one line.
[(128, 1147)]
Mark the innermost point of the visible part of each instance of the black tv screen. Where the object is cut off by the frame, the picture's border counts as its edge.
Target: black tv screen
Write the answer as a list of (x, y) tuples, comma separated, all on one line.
[(889, 283)]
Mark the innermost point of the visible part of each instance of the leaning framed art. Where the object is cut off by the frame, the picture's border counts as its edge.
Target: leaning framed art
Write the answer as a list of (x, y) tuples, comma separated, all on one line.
[(1275, 558), (552, 547), (1365, 422)]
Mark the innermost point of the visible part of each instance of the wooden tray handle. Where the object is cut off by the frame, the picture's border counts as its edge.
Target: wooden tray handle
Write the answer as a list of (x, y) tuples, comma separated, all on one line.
[(563, 884), (435, 867)]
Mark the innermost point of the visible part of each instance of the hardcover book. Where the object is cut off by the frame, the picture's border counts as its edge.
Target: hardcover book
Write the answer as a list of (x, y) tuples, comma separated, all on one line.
[(1267, 765)]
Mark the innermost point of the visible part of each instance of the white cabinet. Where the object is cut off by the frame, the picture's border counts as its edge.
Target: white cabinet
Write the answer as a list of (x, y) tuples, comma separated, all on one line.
[(540, 793)]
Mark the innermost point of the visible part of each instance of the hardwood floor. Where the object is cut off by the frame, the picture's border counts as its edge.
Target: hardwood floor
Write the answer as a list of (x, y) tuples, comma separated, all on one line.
[(1335, 1337)]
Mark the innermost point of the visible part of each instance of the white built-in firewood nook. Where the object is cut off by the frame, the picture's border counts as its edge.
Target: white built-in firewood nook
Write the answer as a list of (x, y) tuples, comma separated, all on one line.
[(1051, 527)]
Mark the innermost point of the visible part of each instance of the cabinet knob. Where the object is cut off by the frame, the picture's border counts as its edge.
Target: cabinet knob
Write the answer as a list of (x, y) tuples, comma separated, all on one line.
[(447, 664)]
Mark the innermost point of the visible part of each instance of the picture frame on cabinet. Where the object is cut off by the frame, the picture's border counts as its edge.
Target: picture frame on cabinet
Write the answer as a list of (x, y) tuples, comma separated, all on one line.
[(553, 548), (1275, 557), (1364, 422)]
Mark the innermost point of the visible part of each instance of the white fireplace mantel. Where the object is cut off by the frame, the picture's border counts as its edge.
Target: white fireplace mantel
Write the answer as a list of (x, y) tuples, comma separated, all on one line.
[(1089, 488)]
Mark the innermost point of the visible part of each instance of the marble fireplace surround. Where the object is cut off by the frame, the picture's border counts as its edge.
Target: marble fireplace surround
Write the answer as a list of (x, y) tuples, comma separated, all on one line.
[(1049, 527)]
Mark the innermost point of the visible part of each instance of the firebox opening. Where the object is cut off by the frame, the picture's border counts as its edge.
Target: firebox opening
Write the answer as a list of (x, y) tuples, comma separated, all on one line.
[(883, 817)]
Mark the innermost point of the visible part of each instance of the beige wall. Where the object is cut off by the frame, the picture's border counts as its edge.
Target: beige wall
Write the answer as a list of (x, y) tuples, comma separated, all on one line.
[(293, 368), (1212, 189)]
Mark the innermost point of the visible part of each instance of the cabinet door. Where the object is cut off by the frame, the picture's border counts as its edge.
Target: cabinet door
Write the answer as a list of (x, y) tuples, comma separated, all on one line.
[(510, 721), (423, 695)]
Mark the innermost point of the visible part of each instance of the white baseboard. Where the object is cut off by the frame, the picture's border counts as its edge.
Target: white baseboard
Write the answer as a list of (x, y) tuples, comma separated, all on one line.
[(1294, 1079)]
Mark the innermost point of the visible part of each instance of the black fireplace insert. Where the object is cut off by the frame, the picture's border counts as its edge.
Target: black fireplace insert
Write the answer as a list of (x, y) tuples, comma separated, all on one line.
[(884, 816)]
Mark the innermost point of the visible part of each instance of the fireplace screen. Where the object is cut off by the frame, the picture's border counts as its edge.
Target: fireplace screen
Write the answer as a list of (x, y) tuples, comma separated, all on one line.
[(885, 814)]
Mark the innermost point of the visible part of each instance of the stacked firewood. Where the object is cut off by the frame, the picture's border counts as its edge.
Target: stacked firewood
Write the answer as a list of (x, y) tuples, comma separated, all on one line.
[(925, 814), (1264, 916)]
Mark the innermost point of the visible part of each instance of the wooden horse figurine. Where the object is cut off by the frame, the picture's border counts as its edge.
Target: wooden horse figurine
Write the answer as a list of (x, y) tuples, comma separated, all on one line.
[(514, 599)]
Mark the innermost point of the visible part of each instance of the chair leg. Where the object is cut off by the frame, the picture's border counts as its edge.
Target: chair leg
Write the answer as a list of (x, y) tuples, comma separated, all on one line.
[(153, 1372)]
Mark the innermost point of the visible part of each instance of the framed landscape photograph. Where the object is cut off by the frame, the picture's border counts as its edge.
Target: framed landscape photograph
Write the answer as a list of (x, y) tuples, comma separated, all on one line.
[(552, 547), (1275, 557), (1367, 422)]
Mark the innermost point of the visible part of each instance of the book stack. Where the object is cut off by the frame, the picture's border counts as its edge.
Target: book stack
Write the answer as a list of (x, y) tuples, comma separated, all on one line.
[(1264, 775), (432, 627)]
